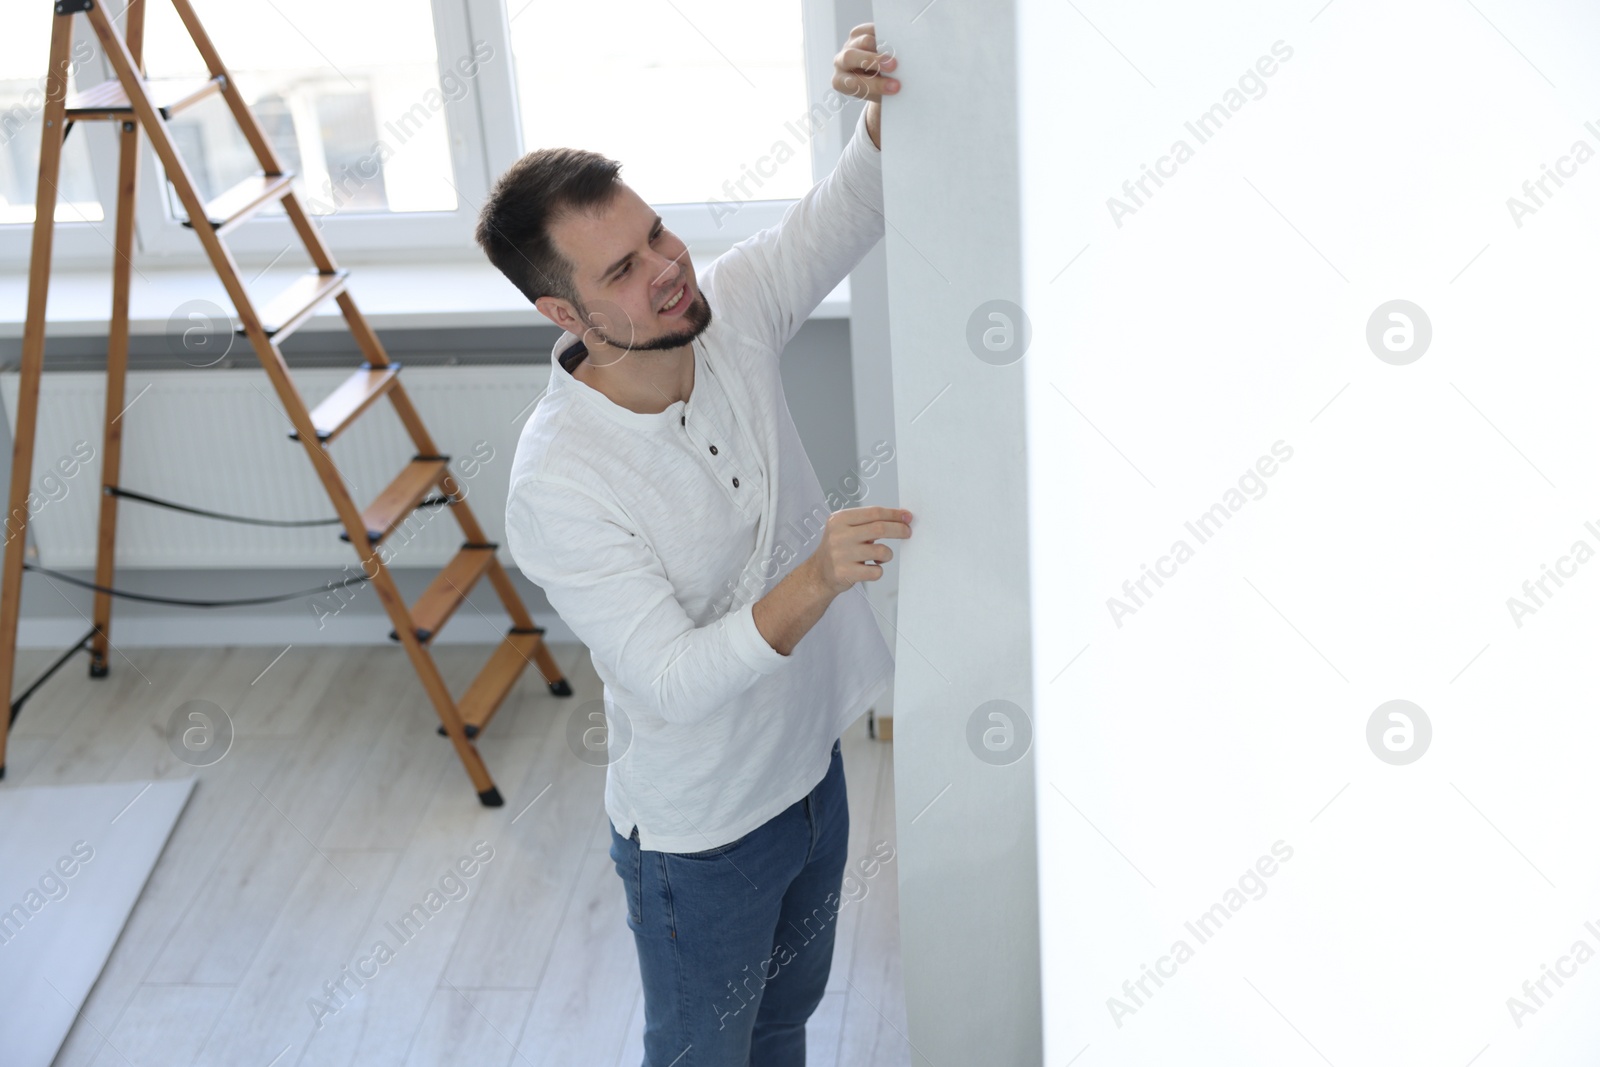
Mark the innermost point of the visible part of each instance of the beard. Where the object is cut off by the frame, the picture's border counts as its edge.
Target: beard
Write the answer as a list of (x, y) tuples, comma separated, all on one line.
[(696, 317)]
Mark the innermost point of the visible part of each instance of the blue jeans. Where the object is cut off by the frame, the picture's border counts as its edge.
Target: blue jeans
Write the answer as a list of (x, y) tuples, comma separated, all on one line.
[(735, 942)]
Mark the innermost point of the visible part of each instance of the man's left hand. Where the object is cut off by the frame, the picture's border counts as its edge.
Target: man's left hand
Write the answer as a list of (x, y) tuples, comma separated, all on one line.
[(858, 71)]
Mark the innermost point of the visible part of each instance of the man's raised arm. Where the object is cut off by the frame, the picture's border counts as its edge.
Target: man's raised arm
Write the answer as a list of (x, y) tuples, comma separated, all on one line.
[(768, 284)]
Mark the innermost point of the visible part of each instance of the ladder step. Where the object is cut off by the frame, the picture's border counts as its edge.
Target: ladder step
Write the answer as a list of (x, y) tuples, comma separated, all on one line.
[(449, 589), (482, 698), (109, 100), (402, 496), (352, 397), (244, 200), (289, 310)]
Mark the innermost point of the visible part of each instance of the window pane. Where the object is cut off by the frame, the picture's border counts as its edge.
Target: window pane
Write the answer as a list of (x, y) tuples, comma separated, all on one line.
[(24, 58), (698, 99), (348, 94)]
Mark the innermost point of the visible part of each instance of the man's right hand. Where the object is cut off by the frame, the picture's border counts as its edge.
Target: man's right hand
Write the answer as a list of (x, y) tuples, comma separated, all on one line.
[(849, 552)]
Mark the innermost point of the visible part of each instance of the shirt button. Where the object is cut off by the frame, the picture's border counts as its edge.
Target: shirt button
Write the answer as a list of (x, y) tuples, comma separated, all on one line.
[(682, 420), (736, 483), (713, 450)]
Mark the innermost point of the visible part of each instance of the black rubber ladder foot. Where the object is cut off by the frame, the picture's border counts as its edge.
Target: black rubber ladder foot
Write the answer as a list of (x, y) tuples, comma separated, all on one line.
[(472, 731), (99, 670), (491, 798), (559, 688)]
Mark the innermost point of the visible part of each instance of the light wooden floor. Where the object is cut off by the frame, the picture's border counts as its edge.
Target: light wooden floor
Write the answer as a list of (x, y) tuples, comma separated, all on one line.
[(339, 807)]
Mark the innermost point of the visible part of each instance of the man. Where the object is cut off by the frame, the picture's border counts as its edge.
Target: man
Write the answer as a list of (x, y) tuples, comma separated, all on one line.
[(661, 497)]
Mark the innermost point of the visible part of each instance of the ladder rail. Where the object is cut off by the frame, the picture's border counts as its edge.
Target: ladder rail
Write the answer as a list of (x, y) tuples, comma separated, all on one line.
[(116, 386), (116, 357), (366, 340), (242, 115), (44, 204), (420, 436)]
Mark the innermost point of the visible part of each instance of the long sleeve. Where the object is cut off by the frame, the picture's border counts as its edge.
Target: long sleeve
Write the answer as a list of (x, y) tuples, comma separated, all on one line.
[(770, 282), (609, 586)]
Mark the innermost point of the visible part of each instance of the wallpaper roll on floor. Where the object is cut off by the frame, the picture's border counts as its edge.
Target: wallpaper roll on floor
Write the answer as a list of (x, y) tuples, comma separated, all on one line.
[(73, 861)]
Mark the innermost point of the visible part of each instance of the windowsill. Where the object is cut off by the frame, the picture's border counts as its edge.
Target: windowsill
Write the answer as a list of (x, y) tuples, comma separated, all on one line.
[(420, 295)]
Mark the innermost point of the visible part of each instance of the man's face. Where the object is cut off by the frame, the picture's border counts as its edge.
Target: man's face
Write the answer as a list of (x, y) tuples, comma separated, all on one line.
[(627, 268)]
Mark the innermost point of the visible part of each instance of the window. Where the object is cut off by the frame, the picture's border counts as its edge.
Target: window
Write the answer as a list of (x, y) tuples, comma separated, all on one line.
[(395, 119), (694, 96), (24, 56), (348, 95)]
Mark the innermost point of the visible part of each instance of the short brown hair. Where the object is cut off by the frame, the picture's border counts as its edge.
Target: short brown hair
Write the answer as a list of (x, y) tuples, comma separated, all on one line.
[(514, 225)]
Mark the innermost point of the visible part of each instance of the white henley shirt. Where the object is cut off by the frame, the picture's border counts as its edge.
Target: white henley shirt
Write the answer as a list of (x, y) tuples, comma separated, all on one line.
[(653, 535)]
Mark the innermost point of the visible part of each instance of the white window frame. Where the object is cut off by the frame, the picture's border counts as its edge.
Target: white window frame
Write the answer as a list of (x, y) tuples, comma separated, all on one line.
[(485, 134)]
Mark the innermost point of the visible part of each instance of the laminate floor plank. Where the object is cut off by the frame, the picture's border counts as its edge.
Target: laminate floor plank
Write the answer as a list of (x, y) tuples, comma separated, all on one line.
[(281, 832), (633, 1040), (395, 781), (162, 1026), (874, 1023), (286, 687), (863, 760), (824, 1027), (469, 1028), (107, 721), (508, 937), (22, 755), (585, 998), (381, 1026), (270, 1017)]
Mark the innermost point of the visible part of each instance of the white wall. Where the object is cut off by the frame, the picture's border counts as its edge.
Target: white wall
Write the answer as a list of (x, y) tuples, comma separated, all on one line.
[(1223, 324)]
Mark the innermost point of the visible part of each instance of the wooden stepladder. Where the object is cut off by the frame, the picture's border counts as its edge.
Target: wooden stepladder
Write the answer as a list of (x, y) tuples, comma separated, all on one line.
[(136, 103)]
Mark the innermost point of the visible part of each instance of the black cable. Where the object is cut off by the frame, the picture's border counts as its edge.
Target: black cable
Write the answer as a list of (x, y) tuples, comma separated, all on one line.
[(16, 705), (114, 490), (191, 603)]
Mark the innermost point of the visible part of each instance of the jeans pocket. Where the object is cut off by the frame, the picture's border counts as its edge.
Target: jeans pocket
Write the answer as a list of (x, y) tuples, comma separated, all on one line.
[(713, 853)]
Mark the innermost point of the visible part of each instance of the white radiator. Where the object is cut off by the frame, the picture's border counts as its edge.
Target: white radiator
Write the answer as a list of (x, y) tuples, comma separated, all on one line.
[(217, 439)]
